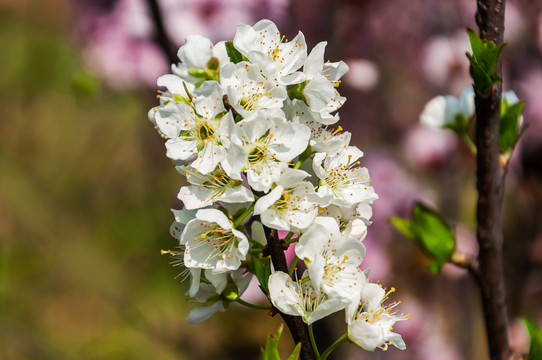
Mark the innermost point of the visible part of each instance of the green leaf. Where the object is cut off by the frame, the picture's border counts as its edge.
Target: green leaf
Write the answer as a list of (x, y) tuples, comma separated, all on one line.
[(296, 92), (483, 63), (535, 333), (271, 349), (234, 54), (261, 267), (84, 84), (509, 131), (295, 353), (430, 232), (405, 227)]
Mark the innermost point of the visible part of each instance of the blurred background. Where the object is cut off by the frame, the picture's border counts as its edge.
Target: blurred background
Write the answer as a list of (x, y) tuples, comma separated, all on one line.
[(85, 187)]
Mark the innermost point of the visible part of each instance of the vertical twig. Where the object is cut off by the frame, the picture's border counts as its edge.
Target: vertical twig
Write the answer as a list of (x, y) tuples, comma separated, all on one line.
[(298, 329), (490, 184), (161, 35)]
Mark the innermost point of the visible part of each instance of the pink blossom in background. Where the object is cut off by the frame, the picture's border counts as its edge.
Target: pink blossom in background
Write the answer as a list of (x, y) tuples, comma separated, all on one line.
[(214, 19), (444, 62), (396, 189), (379, 261), (514, 23), (425, 332), (124, 62), (518, 336), (363, 75), (529, 91), (424, 146), (465, 240), (120, 46)]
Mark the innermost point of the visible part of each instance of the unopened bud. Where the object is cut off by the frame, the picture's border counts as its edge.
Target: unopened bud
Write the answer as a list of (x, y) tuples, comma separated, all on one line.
[(213, 63)]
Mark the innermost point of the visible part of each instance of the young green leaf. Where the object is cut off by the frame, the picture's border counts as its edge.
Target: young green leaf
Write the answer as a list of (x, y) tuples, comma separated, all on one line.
[(295, 353), (234, 54), (535, 334), (430, 232), (271, 350), (483, 63), (509, 130), (261, 267)]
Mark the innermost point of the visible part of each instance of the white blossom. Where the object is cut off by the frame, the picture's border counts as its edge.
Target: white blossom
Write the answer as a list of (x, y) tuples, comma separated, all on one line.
[(301, 298), (211, 242), (370, 322), (262, 146), (205, 189), (333, 258), (198, 53), (323, 79), (195, 131), (262, 44), (342, 179), (443, 111), (249, 89), (292, 205)]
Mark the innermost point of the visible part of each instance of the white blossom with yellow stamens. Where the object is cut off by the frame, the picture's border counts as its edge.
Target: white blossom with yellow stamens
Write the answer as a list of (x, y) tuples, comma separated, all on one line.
[(333, 258), (197, 54), (206, 189), (262, 44), (323, 79), (249, 89), (370, 321), (323, 137), (301, 298), (262, 146), (211, 242), (342, 179), (292, 205), (197, 131)]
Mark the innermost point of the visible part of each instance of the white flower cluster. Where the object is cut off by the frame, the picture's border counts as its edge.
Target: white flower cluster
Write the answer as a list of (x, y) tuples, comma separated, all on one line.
[(248, 123)]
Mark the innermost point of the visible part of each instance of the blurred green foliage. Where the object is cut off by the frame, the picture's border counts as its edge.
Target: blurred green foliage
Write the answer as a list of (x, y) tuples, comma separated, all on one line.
[(430, 233), (85, 193)]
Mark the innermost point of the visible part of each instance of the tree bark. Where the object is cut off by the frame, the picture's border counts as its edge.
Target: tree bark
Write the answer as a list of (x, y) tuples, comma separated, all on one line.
[(161, 37), (298, 328), (490, 185)]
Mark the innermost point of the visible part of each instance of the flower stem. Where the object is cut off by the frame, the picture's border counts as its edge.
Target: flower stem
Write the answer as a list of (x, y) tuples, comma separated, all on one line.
[(252, 306), (288, 237), (470, 144), (313, 343), (294, 266), (339, 341), (243, 216), (304, 156)]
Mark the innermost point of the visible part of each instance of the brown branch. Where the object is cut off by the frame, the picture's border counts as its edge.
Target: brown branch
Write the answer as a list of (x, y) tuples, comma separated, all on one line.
[(298, 328), (490, 184), (467, 262), (161, 36)]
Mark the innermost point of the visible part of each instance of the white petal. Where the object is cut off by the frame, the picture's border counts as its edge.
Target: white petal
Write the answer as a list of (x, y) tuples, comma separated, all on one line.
[(283, 294), (195, 275), (266, 201), (214, 216), (258, 233), (178, 149), (219, 280), (202, 313), (315, 60), (196, 52)]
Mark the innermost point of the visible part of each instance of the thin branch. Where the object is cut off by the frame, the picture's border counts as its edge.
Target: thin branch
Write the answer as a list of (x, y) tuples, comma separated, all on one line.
[(490, 184), (298, 328), (161, 36), (467, 262)]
